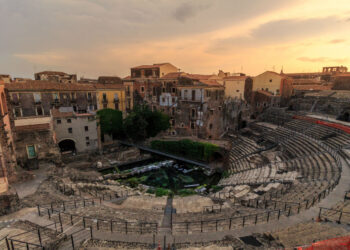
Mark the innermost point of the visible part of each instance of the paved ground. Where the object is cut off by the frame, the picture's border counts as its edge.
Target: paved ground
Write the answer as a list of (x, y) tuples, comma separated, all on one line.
[(29, 187)]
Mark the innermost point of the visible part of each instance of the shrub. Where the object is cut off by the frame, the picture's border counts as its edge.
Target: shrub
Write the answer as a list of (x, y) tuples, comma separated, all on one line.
[(161, 192), (187, 148)]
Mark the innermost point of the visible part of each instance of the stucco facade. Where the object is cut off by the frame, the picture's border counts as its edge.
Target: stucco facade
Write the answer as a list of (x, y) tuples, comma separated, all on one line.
[(80, 128), (111, 96)]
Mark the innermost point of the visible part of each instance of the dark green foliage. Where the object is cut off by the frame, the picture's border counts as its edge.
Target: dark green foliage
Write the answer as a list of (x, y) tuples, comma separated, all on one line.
[(143, 123), (186, 192), (161, 192), (187, 148), (111, 122)]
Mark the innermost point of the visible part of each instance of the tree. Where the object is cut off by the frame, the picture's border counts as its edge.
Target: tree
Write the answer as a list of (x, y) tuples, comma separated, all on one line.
[(142, 123), (111, 122)]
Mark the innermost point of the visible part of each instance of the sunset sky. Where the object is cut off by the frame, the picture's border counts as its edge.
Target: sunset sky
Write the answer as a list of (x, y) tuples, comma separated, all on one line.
[(107, 37)]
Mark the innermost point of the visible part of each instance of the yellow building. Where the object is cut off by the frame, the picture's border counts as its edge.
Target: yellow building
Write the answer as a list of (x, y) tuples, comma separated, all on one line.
[(111, 96)]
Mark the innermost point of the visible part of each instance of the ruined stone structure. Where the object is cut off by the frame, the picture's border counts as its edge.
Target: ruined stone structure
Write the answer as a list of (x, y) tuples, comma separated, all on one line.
[(55, 76), (7, 150), (331, 102)]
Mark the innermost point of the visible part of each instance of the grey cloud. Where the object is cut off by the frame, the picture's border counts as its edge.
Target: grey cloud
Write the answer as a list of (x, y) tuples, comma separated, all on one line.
[(187, 10)]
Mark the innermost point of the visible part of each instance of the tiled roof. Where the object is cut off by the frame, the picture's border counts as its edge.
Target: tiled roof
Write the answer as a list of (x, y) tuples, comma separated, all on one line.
[(211, 83), (47, 85), (36, 127), (199, 76), (51, 73), (173, 75), (263, 92), (312, 87), (56, 113), (108, 86), (156, 65), (235, 77)]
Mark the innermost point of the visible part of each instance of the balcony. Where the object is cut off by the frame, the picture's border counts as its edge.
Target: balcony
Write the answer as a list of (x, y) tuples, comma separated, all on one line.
[(15, 102), (116, 100)]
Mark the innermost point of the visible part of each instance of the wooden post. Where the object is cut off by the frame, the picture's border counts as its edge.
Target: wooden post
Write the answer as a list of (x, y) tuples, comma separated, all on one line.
[(60, 220), (7, 244), (39, 236), (72, 240), (38, 210)]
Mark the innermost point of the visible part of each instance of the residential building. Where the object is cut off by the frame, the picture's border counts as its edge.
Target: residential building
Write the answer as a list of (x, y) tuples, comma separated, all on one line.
[(199, 111), (109, 80), (111, 96), (271, 82), (234, 86), (55, 76), (31, 103), (75, 132), (152, 71), (5, 78), (36, 98)]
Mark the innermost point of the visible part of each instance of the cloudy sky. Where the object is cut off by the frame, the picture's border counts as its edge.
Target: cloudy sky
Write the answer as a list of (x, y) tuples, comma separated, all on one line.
[(107, 37)]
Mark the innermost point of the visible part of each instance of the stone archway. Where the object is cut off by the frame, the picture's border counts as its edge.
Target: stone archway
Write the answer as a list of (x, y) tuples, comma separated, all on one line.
[(67, 145)]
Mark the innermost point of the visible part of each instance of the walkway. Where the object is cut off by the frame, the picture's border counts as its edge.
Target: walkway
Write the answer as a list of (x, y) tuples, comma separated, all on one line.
[(175, 157), (26, 188)]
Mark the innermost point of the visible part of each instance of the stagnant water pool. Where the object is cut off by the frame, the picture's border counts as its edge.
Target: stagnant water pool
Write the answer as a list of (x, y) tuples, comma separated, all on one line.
[(171, 175)]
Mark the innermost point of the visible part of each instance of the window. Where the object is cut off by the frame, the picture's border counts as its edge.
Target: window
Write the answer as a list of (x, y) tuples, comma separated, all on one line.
[(237, 90), (69, 120), (59, 121), (104, 97), (75, 108), (39, 111), (142, 89), (18, 112), (173, 90), (87, 138), (192, 125), (86, 128), (55, 96), (193, 113), (212, 111), (70, 130), (105, 105), (87, 143), (163, 99), (37, 97), (31, 151), (163, 90), (219, 108), (116, 105), (210, 126), (193, 95), (15, 97), (173, 100), (116, 98), (72, 95), (270, 80), (89, 96)]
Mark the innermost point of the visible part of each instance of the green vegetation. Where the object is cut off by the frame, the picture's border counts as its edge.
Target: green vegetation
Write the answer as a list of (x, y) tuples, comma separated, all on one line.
[(186, 192), (143, 123), (140, 124), (111, 122), (187, 148), (162, 192)]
